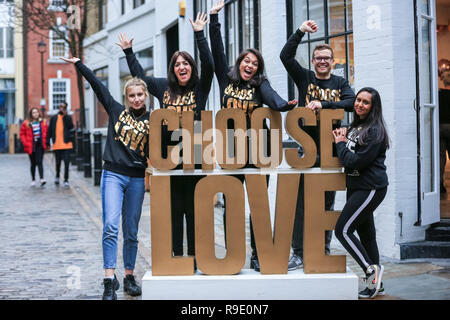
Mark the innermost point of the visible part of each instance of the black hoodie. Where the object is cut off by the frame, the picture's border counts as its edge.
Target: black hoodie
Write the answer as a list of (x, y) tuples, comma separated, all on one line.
[(364, 163), (126, 148)]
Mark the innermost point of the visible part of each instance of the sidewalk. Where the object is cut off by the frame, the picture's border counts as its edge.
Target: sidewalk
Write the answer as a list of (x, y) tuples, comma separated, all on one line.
[(52, 243)]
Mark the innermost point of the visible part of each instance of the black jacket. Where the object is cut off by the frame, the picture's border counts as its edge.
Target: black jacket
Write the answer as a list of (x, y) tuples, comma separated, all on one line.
[(364, 163), (126, 148), (69, 129)]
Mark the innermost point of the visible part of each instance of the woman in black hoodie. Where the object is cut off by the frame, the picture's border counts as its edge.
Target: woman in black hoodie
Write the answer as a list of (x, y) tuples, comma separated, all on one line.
[(362, 151), (244, 87), (122, 185), (182, 90)]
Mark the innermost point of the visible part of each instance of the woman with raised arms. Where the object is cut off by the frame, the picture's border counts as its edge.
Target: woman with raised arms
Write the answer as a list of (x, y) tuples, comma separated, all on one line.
[(182, 90), (122, 184), (244, 87)]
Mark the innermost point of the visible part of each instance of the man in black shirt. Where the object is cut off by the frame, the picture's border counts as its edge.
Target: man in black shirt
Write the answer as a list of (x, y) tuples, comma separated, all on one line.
[(317, 89)]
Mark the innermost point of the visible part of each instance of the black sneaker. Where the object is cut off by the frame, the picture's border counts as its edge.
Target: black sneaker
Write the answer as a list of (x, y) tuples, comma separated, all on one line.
[(254, 263), (130, 286), (295, 262), (374, 274), (111, 286)]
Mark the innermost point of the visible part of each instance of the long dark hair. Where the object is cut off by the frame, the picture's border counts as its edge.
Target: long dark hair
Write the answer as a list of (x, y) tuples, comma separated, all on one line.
[(374, 120), (258, 78), (175, 89)]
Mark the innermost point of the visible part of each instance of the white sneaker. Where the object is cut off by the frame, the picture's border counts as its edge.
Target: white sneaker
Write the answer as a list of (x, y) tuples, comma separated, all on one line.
[(33, 183), (66, 184), (43, 182)]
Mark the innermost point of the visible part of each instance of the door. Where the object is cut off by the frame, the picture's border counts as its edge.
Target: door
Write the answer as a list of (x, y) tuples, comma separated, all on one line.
[(428, 113), (172, 42)]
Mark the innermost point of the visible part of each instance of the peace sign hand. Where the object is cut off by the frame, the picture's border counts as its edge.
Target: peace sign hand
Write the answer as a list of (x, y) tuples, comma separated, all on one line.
[(200, 22)]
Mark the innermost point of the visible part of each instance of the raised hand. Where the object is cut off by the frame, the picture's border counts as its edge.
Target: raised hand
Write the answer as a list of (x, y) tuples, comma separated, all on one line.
[(217, 7), (124, 43), (200, 22), (70, 60), (309, 26)]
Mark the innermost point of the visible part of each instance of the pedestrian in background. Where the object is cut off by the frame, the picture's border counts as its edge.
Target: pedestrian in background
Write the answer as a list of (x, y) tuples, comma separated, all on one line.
[(33, 134), (61, 132), (362, 151)]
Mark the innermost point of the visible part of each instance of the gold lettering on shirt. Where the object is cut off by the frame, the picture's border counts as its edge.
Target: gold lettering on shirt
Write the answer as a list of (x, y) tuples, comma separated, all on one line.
[(181, 103), (240, 98), (131, 132), (314, 92)]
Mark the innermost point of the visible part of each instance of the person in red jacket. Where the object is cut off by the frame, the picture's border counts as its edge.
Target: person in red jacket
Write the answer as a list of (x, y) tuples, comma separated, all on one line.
[(33, 134)]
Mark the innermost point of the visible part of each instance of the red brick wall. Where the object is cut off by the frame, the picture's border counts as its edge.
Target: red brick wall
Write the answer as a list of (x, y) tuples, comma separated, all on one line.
[(50, 71)]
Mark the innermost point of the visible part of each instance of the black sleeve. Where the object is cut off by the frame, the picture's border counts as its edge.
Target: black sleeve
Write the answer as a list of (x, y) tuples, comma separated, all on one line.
[(287, 56), (218, 51), (347, 98), (102, 93), (363, 156), (155, 86), (207, 68), (271, 98)]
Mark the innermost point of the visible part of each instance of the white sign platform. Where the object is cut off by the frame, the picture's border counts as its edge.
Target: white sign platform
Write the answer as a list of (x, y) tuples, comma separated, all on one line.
[(251, 285)]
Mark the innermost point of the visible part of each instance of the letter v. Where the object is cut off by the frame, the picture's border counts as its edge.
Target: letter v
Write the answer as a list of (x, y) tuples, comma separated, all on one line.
[(273, 252)]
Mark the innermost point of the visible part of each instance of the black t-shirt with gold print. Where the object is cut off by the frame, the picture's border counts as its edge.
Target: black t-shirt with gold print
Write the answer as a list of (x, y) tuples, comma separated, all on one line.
[(126, 149)]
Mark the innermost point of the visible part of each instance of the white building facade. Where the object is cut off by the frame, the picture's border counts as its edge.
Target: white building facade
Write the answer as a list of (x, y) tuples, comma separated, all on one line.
[(375, 44)]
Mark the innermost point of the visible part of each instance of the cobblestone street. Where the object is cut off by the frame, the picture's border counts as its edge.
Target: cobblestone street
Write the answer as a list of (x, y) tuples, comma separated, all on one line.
[(51, 248)]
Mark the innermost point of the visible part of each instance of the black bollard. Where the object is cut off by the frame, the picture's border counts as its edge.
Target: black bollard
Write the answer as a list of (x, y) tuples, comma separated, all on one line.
[(97, 158), (80, 150), (87, 154)]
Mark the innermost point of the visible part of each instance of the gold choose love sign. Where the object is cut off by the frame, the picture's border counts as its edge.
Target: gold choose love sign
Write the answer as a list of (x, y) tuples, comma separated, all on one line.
[(232, 151)]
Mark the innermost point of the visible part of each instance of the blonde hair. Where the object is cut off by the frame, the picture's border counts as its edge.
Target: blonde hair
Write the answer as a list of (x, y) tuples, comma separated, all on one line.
[(134, 82)]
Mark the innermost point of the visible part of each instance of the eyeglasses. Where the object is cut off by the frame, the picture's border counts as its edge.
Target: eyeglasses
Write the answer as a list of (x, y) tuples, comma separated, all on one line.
[(325, 59)]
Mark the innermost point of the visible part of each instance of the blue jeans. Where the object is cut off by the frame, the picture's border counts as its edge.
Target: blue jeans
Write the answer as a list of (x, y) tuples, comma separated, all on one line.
[(121, 195)]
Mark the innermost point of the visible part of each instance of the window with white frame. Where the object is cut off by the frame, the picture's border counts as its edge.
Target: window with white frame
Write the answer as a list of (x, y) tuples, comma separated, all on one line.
[(57, 5), (138, 3), (102, 14), (59, 91), (58, 45), (242, 25), (6, 42)]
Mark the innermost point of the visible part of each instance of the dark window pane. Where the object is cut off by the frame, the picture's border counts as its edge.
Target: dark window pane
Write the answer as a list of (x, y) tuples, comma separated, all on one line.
[(336, 16)]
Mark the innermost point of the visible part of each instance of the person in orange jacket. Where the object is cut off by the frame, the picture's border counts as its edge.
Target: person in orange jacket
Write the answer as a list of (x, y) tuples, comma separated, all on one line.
[(33, 134)]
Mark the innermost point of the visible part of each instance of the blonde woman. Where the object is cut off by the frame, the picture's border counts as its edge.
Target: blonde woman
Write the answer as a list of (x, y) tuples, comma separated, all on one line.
[(122, 184)]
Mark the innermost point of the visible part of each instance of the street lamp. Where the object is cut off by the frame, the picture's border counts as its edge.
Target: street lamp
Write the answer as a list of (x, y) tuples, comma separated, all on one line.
[(41, 49)]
